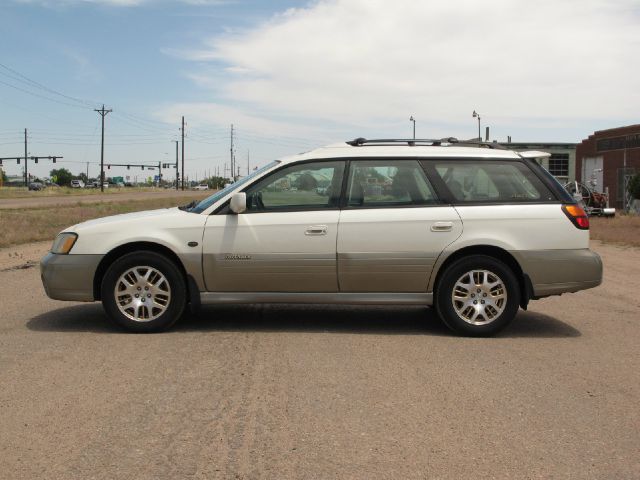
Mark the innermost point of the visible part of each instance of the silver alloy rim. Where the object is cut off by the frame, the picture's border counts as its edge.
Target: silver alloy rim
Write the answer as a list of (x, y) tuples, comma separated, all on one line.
[(479, 297), (142, 294)]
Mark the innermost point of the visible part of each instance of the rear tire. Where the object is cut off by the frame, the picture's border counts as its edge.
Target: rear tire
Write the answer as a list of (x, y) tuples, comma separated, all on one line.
[(477, 296), (144, 291)]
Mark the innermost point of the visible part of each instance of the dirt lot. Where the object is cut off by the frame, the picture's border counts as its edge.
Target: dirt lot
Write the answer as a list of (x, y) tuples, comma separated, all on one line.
[(322, 392)]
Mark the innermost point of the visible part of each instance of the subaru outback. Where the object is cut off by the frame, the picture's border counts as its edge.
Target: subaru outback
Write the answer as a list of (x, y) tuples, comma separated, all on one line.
[(472, 229)]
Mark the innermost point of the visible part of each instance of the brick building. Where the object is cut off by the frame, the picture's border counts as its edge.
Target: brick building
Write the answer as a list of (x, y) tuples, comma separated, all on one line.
[(603, 157)]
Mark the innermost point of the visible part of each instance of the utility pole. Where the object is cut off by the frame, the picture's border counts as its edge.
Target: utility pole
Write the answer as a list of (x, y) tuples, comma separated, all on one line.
[(231, 156), (103, 113), (177, 171), (26, 176), (247, 163), (182, 152), (87, 172)]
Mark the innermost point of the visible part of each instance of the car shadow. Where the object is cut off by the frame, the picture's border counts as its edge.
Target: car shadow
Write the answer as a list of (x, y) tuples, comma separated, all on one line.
[(388, 320)]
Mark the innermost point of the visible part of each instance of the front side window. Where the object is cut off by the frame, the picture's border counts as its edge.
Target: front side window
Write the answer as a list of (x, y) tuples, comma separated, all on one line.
[(306, 186), (388, 183), (207, 202), (485, 181)]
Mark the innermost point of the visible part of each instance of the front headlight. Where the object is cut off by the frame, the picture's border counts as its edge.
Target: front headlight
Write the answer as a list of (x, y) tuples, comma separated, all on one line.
[(64, 242)]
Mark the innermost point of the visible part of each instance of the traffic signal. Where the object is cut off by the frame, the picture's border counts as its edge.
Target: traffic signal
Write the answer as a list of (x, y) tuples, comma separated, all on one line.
[(109, 167), (128, 167), (18, 161), (54, 159), (35, 160)]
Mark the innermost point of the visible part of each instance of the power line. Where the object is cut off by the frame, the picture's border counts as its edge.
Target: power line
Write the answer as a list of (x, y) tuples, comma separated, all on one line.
[(42, 96), (28, 81)]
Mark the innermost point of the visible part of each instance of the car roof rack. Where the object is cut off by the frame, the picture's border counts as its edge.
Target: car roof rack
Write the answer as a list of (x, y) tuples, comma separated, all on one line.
[(430, 142)]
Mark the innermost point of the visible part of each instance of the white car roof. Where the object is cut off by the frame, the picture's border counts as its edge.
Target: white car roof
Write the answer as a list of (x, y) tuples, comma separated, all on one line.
[(344, 150)]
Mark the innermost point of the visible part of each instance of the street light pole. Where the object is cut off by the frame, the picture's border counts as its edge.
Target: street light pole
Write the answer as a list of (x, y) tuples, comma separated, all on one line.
[(476, 114), (411, 119)]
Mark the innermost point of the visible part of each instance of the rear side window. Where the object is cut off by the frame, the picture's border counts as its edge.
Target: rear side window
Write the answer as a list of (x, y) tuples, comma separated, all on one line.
[(388, 183), (485, 181)]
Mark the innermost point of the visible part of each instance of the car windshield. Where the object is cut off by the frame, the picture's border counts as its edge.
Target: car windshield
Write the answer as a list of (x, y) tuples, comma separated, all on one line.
[(207, 202)]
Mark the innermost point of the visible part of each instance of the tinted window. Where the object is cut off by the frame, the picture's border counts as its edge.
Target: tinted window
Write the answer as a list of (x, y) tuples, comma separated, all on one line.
[(304, 186), (388, 183), (492, 182)]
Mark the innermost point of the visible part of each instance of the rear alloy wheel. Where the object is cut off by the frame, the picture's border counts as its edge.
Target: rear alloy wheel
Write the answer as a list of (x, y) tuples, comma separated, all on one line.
[(144, 292), (477, 296)]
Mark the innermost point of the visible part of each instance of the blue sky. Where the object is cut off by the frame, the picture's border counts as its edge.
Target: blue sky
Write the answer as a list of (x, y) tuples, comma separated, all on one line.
[(294, 75)]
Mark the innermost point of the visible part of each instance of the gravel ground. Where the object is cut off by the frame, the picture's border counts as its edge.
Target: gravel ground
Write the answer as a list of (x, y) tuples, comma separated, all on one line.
[(320, 392)]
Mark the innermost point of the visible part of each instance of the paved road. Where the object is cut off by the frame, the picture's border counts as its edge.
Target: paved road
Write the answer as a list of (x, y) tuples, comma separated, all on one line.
[(38, 200), (325, 392)]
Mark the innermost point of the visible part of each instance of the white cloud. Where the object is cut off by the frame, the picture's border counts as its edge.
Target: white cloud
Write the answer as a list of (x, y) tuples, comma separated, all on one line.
[(372, 62)]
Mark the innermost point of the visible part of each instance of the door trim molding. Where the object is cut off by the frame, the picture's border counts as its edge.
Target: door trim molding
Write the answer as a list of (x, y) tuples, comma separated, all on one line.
[(211, 298)]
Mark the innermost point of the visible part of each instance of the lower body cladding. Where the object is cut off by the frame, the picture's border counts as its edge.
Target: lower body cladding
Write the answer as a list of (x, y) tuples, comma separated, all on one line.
[(553, 272), (69, 277)]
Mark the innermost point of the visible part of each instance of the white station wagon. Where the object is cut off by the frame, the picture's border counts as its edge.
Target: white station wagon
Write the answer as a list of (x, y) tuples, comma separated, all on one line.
[(473, 229)]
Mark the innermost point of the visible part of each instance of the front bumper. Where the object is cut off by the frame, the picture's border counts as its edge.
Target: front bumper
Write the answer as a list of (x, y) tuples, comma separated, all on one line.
[(553, 272), (69, 277)]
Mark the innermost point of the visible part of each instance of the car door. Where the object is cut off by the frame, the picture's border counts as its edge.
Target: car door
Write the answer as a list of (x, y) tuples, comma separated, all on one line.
[(392, 229), (285, 241)]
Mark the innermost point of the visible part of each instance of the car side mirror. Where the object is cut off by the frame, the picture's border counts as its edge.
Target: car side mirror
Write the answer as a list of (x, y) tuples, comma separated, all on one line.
[(238, 202)]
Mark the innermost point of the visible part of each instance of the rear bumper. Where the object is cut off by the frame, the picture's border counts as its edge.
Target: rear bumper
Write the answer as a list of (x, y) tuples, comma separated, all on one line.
[(553, 272), (69, 277)]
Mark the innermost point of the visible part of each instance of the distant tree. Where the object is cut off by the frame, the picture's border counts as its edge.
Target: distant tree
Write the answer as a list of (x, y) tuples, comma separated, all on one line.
[(83, 178), (61, 176), (216, 182), (4, 176)]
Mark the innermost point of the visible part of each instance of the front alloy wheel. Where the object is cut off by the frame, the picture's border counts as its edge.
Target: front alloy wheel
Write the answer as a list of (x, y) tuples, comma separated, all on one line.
[(144, 292)]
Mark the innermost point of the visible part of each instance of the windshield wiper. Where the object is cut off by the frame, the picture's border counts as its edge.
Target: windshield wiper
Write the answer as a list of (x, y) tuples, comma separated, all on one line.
[(188, 206)]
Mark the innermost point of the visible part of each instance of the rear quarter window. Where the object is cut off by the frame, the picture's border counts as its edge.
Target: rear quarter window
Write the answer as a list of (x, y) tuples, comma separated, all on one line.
[(486, 181)]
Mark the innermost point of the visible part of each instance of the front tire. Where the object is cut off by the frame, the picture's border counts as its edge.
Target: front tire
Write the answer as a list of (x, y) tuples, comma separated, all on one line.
[(144, 292), (477, 296)]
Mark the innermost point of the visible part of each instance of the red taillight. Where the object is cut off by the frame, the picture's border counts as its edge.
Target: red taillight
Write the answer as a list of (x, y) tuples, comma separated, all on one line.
[(577, 215)]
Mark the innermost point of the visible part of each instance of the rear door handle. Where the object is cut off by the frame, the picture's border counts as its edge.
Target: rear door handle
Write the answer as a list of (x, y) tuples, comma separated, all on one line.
[(316, 230), (442, 227)]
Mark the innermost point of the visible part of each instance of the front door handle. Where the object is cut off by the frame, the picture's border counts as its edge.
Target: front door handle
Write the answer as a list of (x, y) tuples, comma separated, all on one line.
[(442, 227), (316, 230)]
